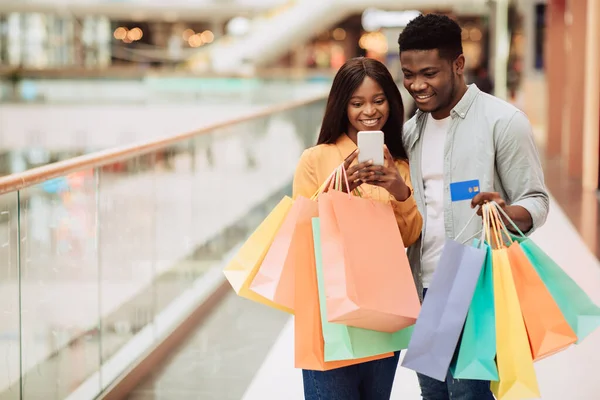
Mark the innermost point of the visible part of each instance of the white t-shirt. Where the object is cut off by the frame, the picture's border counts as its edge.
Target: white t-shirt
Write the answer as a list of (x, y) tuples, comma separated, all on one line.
[(434, 139)]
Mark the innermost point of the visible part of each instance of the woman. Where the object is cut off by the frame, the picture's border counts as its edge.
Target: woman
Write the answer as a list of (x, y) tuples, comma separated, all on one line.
[(363, 97)]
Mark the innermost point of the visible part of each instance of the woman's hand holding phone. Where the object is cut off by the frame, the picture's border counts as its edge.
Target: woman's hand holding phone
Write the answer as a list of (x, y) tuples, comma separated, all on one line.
[(385, 176), (355, 173)]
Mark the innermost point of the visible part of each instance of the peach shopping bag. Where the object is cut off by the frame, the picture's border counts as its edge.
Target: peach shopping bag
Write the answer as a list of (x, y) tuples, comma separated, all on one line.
[(308, 331), (368, 280)]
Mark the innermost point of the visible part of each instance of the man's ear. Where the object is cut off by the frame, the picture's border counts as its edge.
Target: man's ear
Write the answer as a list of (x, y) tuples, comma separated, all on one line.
[(459, 65)]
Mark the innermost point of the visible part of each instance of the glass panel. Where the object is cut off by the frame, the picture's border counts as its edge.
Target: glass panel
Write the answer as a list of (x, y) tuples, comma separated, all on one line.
[(174, 224), (9, 298), (59, 285), (127, 248), (241, 173), (93, 258)]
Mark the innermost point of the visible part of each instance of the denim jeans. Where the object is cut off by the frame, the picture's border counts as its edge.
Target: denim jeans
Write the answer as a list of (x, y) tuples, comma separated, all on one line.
[(453, 389), (372, 380)]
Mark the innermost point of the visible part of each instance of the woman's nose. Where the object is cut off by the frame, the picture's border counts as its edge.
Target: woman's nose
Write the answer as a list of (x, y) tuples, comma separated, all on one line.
[(369, 109)]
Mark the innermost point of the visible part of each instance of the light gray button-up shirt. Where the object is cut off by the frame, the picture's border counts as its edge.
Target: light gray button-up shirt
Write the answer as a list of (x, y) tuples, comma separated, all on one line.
[(489, 140)]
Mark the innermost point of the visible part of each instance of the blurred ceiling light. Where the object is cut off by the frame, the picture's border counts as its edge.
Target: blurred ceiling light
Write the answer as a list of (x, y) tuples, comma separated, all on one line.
[(187, 34), (475, 34), (374, 41), (207, 37), (339, 34), (195, 41), (464, 34), (120, 33), (135, 34)]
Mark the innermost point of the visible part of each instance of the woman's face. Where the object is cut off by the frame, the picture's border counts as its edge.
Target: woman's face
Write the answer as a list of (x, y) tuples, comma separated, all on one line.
[(368, 108)]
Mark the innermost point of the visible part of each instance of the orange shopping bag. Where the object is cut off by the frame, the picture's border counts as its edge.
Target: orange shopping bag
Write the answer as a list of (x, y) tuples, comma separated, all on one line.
[(548, 330), (368, 280), (308, 331)]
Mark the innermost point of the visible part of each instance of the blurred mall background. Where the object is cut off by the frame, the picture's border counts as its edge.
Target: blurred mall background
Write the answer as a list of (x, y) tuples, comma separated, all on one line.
[(176, 125)]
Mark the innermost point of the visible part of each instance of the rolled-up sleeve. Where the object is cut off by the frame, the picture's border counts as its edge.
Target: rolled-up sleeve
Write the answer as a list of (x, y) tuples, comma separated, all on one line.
[(520, 170), (410, 221)]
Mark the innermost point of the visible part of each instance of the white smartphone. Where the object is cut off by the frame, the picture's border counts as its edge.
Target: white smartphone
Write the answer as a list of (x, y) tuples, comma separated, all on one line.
[(370, 146)]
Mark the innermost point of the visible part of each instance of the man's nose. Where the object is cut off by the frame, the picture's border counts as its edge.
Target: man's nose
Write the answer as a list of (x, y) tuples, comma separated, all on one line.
[(418, 85)]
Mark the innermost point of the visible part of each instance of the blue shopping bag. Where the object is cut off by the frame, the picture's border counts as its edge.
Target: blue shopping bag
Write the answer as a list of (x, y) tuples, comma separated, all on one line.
[(445, 309)]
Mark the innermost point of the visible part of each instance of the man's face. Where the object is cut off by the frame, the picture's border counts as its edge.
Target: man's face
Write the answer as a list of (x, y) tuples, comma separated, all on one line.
[(431, 80)]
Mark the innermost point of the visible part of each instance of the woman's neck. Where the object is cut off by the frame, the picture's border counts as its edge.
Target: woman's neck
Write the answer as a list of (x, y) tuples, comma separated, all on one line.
[(353, 135)]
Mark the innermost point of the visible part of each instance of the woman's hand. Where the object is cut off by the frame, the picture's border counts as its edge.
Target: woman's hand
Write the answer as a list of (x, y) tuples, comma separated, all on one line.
[(356, 174), (387, 177)]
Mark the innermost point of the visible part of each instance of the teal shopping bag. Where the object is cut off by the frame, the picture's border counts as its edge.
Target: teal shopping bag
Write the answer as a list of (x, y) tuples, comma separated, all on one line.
[(579, 310), (344, 342), (476, 356)]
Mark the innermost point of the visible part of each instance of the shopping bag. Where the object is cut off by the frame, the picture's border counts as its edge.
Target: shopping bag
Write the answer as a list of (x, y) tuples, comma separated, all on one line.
[(308, 333), (476, 356), (368, 280), (444, 310), (576, 306), (345, 342), (515, 363), (243, 267), (275, 277), (548, 330)]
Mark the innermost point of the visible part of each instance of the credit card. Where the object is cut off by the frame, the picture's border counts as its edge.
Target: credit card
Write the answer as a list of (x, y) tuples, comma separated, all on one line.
[(465, 190)]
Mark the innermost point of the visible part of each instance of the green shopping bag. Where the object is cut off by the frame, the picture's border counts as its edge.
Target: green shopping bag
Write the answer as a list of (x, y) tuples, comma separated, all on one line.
[(578, 309), (476, 357), (344, 342)]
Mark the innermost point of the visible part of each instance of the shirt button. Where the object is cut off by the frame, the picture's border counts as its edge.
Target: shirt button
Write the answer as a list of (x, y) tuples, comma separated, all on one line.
[(462, 115)]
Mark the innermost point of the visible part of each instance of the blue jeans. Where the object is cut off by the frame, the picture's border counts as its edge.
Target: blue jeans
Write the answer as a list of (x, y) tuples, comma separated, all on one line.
[(453, 389), (372, 380)]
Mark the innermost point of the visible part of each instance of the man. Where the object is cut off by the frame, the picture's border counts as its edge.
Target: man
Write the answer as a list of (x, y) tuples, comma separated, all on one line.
[(461, 134)]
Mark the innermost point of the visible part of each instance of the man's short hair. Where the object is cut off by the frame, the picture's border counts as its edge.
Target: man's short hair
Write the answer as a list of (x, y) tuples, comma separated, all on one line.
[(430, 32)]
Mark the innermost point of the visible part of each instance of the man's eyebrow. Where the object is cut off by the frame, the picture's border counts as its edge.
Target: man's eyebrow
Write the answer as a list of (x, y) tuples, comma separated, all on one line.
[(426, 69)]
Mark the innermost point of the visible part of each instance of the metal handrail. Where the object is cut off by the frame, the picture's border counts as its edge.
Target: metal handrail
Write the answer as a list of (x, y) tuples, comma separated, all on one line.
[(101, 158)]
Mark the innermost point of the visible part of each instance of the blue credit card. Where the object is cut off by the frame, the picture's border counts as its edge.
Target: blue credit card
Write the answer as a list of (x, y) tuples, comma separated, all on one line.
[(464, 190)]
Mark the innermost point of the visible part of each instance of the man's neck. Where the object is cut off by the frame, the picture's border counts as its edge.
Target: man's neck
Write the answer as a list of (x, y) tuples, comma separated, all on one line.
[(445, 113)]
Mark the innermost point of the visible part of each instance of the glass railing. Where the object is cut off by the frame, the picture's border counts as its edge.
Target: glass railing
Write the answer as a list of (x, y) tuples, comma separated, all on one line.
[(102, 255)]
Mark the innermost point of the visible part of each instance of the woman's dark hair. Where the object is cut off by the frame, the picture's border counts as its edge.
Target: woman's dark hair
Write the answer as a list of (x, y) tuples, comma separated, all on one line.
[(350, 76)]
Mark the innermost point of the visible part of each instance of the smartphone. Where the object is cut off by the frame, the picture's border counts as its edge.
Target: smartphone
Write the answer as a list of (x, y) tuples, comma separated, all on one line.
[(370, 146)]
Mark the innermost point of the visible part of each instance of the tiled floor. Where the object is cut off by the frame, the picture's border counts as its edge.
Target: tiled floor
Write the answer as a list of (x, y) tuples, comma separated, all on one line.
[(235, 338)]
